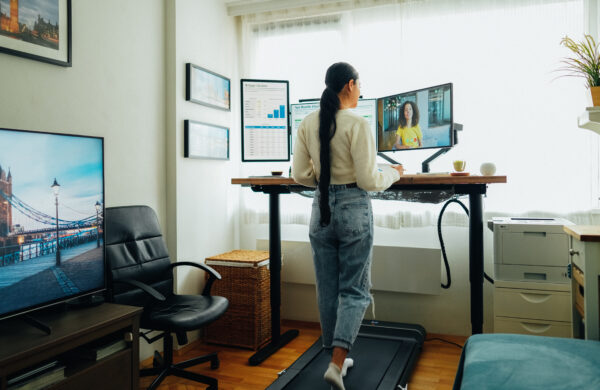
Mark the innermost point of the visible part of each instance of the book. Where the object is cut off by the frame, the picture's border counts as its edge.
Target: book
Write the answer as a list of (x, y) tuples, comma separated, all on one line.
[(38, 377), (98, 350)]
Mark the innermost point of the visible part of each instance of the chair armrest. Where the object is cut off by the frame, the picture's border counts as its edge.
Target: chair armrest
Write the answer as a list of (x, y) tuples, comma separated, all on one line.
[(144, 287), (213, 275)]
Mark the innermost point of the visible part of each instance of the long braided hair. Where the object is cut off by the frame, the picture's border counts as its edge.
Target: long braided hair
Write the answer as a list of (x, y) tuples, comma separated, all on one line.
[(338, 75)]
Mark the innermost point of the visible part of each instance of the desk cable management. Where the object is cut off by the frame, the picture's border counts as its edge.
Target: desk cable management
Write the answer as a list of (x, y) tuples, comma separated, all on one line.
[(439, 227)]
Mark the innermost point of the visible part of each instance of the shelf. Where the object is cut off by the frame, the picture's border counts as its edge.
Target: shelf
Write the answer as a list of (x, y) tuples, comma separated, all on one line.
[(590, 119)]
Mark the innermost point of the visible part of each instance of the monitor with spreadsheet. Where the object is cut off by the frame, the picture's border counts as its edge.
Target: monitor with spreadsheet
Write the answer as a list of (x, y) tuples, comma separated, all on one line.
[(265, 132)]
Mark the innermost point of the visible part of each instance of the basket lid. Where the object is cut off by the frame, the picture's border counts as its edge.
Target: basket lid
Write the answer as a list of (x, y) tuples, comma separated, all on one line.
[(241, 256)]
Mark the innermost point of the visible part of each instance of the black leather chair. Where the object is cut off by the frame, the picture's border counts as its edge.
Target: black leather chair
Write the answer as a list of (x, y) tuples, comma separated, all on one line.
[(141, 274)]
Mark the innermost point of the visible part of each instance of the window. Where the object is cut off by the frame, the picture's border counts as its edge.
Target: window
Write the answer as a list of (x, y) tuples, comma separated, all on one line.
[(502, 59)]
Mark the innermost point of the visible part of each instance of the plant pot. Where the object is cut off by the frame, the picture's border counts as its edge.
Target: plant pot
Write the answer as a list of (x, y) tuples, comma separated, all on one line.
[(595, 96)]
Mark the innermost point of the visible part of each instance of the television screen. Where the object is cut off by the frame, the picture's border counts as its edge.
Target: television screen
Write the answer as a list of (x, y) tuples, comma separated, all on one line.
[(418, 119), (366, 108), (51, 225)]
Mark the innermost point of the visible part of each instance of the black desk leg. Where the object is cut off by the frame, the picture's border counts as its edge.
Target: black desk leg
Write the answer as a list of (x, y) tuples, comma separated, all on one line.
[(476, 261), (277, 340)]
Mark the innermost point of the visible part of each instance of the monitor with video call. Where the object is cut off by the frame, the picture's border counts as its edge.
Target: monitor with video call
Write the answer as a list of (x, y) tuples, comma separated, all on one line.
[(420, 119)]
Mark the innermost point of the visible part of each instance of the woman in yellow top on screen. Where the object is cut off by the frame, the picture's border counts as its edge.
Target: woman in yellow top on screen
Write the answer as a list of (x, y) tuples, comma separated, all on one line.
[(409, 133)]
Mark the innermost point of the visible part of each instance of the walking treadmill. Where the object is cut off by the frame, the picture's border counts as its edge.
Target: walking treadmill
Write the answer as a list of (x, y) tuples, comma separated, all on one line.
[(384, 356)]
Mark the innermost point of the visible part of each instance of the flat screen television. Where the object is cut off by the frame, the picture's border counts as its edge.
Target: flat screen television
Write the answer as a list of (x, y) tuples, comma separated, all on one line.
[(420, 119), (51, 219), (367, 108)]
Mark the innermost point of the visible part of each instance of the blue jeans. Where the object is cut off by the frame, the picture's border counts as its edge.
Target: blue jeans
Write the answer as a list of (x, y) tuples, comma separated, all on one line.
[(342, 258)]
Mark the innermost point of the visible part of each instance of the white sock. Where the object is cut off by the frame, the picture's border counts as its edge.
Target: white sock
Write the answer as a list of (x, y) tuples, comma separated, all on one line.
[(348, 363), (333, 376)]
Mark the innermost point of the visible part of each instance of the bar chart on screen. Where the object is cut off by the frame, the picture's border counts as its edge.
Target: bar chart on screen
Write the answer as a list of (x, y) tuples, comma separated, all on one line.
[(265, 133)]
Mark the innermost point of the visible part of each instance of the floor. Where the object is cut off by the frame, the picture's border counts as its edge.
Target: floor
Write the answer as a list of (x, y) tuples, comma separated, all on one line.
[(435, 369)]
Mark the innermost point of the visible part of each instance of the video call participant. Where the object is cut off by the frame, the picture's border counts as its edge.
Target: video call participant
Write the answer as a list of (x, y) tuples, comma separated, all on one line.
[(335, 152), (409, 133)]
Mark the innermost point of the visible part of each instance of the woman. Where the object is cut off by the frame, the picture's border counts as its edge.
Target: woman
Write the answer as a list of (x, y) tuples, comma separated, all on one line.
[(409, 133), (335, 152)]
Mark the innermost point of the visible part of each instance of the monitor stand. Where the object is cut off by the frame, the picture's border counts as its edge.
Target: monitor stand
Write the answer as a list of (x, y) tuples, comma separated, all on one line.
[(388, 158), (36, 324), (425, 164)]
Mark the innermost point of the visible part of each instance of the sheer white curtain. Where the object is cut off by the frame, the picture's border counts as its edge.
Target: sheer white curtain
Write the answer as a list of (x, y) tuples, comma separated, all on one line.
[(501, 58)]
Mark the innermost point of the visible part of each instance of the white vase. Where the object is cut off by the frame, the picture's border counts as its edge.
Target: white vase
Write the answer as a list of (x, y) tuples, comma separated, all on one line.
[(487, 169)]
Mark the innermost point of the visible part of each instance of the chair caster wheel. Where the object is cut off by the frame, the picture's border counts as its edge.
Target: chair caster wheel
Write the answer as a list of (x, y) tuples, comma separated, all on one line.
[(214, 364)]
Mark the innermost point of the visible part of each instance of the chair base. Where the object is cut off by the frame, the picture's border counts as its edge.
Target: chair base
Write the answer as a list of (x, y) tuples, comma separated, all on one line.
[(164, 367)]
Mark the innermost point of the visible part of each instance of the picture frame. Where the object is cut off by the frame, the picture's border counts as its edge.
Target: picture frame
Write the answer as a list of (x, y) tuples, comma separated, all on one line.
[(205, 141), (207, 88), (39, 30)]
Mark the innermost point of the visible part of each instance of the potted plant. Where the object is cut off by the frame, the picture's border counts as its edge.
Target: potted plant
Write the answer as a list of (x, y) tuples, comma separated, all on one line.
[(585, 63)]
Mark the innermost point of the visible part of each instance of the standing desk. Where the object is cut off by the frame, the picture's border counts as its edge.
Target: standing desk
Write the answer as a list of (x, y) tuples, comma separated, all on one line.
[(413, 187)]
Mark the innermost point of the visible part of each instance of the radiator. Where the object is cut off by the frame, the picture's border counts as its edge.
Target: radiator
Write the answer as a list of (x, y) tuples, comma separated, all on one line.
[(395, 269)]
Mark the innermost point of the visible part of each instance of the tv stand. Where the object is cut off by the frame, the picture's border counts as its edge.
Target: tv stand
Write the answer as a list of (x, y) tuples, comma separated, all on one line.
[(24, 348), (36, 324)]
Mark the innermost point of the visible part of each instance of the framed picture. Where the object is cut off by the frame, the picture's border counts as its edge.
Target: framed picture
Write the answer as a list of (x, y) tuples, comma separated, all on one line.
[(207, 88), (203, 140), (37, 29)]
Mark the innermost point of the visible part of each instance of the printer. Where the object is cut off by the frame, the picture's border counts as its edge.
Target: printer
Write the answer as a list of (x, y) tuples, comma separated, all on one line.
[(530, 249)]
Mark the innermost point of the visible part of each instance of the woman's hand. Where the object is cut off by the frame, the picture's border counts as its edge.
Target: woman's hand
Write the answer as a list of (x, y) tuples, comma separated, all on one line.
[(399, 168)]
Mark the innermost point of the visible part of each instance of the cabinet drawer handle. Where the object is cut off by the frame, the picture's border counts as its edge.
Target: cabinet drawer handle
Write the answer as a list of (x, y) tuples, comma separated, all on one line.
[(573, 252), (535, 328), (535, 298)]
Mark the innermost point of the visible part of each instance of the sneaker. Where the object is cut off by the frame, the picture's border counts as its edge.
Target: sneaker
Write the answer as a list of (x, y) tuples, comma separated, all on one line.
[(333, 376)]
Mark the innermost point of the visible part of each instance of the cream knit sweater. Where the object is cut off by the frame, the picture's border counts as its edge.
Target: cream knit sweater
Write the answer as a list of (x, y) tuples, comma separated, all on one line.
[(353, 154)]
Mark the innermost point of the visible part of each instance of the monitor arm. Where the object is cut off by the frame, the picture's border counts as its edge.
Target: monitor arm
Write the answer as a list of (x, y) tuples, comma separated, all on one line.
[(425, 164), (388, 158), (456, 127)]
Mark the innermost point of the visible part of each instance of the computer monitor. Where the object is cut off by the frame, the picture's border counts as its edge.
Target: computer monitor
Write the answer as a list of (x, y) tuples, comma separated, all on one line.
[(51, 219), (265, 132), (420, 119), (367, 108)]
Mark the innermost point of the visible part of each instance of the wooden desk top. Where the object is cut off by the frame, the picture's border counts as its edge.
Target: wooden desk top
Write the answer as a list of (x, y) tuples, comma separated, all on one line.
[(405, 179), (586, 233)]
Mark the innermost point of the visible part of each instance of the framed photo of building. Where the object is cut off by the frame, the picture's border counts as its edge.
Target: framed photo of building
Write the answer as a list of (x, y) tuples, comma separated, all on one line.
[(203, 140), (37, 29), (207, 88)]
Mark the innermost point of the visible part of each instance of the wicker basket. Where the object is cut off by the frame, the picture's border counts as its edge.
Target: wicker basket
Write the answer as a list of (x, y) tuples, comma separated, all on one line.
[(245, 282)]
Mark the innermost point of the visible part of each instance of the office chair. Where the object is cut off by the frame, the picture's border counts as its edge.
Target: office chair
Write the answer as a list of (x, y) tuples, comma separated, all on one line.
[(140, 273)]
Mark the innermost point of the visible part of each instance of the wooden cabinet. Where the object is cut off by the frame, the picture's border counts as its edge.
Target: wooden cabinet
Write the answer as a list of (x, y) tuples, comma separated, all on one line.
[(25, 347), (585, 259), (535, 308)]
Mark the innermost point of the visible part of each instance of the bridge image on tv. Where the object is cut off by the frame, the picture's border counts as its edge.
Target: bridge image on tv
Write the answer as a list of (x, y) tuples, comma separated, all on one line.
[(51, 228)]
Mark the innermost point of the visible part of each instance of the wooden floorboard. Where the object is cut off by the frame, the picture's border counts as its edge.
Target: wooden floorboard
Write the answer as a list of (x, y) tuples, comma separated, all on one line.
[(435, 369)]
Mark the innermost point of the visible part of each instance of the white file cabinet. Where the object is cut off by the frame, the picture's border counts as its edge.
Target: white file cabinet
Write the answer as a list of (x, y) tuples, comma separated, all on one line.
[(585, 259), (534, 308)]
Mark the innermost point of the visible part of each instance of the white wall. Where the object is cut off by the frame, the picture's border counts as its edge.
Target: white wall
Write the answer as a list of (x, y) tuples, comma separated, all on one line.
[(202, 204), (115, 89), (204, 201), (127, 84), (446, 313)]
